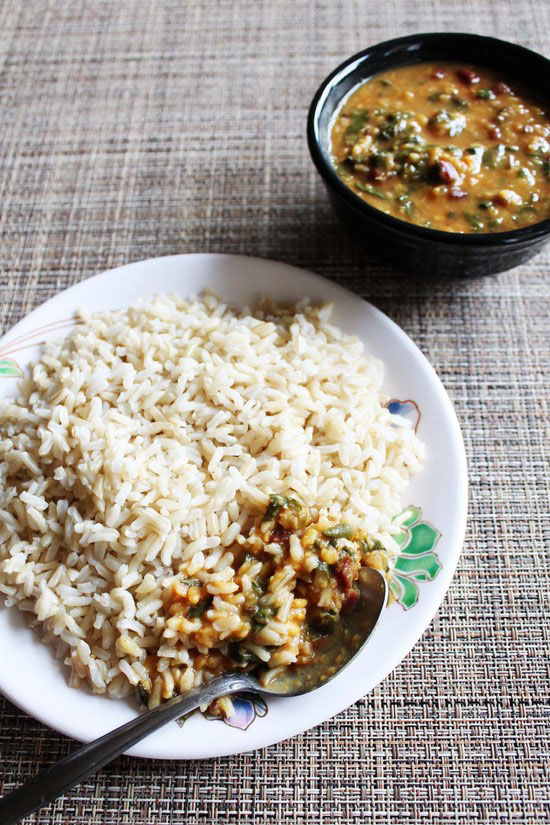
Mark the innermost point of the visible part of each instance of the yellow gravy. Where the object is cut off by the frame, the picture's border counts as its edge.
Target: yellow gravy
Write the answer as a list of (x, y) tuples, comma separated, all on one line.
[(446, 146)]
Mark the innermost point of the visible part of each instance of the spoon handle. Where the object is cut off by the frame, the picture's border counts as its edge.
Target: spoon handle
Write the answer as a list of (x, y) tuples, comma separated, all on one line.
[(68, 772)]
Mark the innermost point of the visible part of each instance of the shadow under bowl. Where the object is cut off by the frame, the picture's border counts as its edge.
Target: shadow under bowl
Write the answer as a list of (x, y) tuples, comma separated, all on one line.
[(411, 247)]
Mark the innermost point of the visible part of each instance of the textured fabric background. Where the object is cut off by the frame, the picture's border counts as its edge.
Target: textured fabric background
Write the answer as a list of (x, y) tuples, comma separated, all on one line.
[(137, 128)]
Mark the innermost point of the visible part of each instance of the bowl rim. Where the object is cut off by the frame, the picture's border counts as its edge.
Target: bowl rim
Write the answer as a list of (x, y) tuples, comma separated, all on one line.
[(524, 235)]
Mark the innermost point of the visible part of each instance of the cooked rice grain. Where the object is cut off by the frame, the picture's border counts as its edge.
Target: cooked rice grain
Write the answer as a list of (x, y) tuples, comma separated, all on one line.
[(146, 443)]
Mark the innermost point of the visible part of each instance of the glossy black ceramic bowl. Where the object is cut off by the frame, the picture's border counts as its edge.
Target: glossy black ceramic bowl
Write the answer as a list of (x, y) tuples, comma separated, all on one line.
[(426, 251)]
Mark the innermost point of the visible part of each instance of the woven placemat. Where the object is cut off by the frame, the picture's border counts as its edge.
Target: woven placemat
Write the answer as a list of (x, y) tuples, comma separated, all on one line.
[(143, 128)]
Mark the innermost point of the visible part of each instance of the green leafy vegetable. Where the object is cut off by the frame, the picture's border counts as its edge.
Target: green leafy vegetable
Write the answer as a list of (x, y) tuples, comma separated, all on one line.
[(258, 587), (200, 608), (339, 531), (379, 160), (261, 616), (395, 123), (370, 190), (142, 695), (485, 94), (277, 503), (495, 156), (324, 622), (191, 582), (369, 545), (529, 206), (242, 655), (475, 222), (323, 568), (526, 209), (359, 119)]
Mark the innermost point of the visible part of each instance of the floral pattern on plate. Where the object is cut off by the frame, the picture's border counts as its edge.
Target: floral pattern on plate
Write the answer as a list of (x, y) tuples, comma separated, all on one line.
[(10, 368), (406, 409), (417, 561), (247, 706)]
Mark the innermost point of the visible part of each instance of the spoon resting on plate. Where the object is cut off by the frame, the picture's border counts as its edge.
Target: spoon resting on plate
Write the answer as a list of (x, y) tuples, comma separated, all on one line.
[(333, 653)]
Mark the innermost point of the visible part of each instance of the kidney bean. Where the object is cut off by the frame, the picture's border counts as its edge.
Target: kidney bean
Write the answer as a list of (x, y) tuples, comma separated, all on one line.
[(438, 74), (467, 76), (377, 174), (501, 89), (280, 536), (344, 574), (446, 171), (350, 600)]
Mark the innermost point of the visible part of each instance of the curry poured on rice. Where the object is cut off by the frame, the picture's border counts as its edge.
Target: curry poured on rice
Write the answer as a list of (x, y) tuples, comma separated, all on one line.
[(294, 581)]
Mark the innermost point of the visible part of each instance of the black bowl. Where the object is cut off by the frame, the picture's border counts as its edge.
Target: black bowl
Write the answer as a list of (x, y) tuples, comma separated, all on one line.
[(426, 251)]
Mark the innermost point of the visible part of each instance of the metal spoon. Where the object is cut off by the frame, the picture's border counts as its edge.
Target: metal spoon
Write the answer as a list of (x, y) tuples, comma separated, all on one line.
[(332, 655)]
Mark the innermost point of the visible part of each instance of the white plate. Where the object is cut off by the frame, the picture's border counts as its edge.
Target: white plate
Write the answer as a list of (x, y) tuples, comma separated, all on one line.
[(30, 676)]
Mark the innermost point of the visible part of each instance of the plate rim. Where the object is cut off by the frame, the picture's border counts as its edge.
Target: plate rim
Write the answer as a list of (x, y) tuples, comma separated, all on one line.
[(447, 573)]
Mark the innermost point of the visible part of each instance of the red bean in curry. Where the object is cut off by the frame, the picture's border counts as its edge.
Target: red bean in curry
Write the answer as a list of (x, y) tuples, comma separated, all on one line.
[(446, 146)]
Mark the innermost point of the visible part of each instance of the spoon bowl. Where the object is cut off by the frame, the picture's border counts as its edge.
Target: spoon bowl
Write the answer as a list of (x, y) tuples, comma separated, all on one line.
[(334, 652)]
